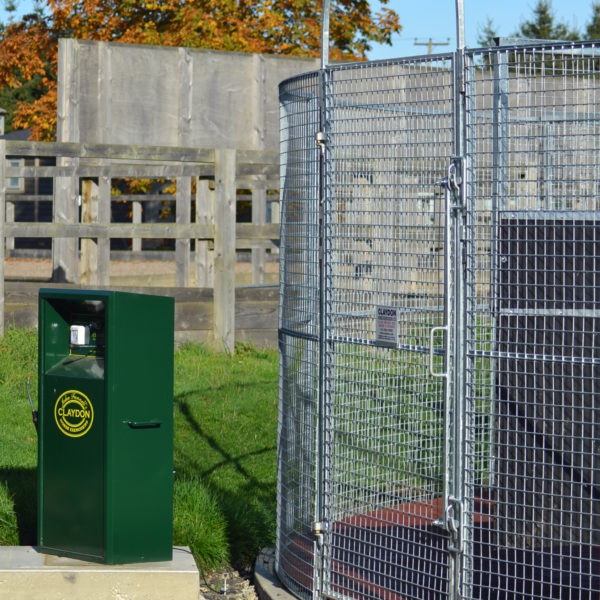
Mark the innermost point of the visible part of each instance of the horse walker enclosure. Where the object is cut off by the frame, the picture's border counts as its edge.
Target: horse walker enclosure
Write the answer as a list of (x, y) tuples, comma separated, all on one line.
[(440, 327)]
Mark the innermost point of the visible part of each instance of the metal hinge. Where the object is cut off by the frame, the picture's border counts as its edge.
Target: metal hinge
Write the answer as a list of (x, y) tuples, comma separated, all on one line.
[(321, 140), (319, 528)]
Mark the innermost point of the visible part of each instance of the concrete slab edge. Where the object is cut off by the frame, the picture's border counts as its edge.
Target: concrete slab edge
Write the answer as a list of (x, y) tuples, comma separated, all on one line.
[(26, 574), (266, 582)]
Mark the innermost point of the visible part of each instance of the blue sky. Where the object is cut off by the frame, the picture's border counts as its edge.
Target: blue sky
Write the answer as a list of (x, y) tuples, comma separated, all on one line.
[(436, 19)]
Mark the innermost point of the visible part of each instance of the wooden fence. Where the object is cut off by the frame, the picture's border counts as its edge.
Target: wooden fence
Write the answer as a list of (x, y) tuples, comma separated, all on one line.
[(84, 172)]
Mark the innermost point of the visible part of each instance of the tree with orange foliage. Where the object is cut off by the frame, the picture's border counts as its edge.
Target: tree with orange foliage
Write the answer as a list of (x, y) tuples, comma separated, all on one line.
[(28, 48)]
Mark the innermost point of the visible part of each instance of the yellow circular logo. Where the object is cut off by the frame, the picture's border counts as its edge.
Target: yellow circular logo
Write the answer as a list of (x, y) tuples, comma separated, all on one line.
[(74, 413)]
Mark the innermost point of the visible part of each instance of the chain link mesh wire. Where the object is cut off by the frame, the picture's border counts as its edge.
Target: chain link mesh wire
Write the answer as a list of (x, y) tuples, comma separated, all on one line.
[(299, 330), (530, 520), (533, 321)]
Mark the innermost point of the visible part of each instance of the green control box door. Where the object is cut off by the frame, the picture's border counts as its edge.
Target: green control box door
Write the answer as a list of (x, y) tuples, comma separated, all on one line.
[(105, 452)]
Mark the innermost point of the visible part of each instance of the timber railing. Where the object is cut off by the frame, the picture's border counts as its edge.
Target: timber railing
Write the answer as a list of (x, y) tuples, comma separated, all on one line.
[(83, 174)]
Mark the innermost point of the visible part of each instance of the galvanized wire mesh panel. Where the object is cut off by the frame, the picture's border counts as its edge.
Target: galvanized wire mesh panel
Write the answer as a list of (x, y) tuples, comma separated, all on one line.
[(299, 329), (372, 442), (389, 139), (533, 318)]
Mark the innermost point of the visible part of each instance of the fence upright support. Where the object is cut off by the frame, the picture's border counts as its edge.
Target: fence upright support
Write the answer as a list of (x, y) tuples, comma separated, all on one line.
[(103, 244), (136, 219), (183, 213), (65, 250), (65, 211), (2, 212), (9, 217), (89, 247), (204, 216), (259, 217), (224, 289)]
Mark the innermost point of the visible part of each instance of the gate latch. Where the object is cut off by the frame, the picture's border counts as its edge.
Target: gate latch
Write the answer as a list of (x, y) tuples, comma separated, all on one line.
[(455, 180), (451, 520)]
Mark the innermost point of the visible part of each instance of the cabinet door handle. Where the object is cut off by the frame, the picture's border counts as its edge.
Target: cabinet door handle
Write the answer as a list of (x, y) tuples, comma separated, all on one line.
[(143, 424)]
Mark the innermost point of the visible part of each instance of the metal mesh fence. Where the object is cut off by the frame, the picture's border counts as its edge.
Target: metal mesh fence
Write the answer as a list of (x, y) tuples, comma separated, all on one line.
[(299, 328), (439, 412), (389, 137), (532, 354)]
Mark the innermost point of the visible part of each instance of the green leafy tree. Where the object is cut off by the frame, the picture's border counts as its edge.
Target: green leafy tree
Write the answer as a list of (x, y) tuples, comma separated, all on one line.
[(487, 34), (487, 38), (592, 30), (543, 25)]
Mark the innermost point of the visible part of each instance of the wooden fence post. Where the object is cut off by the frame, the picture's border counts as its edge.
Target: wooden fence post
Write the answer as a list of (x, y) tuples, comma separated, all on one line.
[(224, 290), (204, 216), (259, 217), (136, 219), (10, 218), (103, 217), (65, 210), (65, 251), (89, 247), (275, 218), (183, 214), (2, 212)]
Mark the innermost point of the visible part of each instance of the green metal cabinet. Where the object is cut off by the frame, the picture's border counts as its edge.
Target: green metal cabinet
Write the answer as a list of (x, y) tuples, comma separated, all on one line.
[(105, 451)]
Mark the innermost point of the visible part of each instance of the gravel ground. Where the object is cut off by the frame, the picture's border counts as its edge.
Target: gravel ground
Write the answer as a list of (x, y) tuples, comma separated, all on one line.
[(229, 584)]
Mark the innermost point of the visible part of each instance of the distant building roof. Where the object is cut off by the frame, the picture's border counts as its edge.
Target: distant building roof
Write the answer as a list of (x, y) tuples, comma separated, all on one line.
[(19, 135)]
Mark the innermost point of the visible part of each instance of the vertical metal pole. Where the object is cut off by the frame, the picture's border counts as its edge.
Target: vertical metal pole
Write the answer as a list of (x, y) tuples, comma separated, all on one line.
[(320, 524), (325, 34), (459, 91), (457, 378), (468, 466), (499, 196), (500, 130), (460, 25)]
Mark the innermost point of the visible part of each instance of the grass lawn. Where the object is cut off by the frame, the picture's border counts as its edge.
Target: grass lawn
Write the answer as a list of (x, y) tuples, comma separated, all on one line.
[(225, 449)]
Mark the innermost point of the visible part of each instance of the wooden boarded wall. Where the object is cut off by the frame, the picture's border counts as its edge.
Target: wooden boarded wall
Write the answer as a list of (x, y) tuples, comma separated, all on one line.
[(255, 310), (147, 95)]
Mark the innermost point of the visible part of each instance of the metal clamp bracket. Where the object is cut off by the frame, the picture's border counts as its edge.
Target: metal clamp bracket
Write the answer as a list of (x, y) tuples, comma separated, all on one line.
[(450, 521), (321, 140), (455, 180), (319, 528)]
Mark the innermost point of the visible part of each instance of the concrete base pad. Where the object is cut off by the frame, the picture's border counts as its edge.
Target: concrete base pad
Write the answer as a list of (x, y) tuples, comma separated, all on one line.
[(268, 586), (26, 574)]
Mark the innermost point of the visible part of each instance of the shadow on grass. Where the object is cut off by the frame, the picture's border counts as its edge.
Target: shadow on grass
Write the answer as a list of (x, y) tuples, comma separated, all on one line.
[(21, 485), (250, 509)]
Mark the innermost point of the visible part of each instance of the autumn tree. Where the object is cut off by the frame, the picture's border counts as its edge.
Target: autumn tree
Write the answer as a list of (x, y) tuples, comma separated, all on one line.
[(28, 48)]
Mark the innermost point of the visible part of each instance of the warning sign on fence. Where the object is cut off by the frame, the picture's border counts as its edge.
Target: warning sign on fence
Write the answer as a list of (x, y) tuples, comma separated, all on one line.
[(386, 326)]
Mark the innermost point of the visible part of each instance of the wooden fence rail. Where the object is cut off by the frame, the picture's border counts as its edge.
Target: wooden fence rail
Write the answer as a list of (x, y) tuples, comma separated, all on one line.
[(83, 172)]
